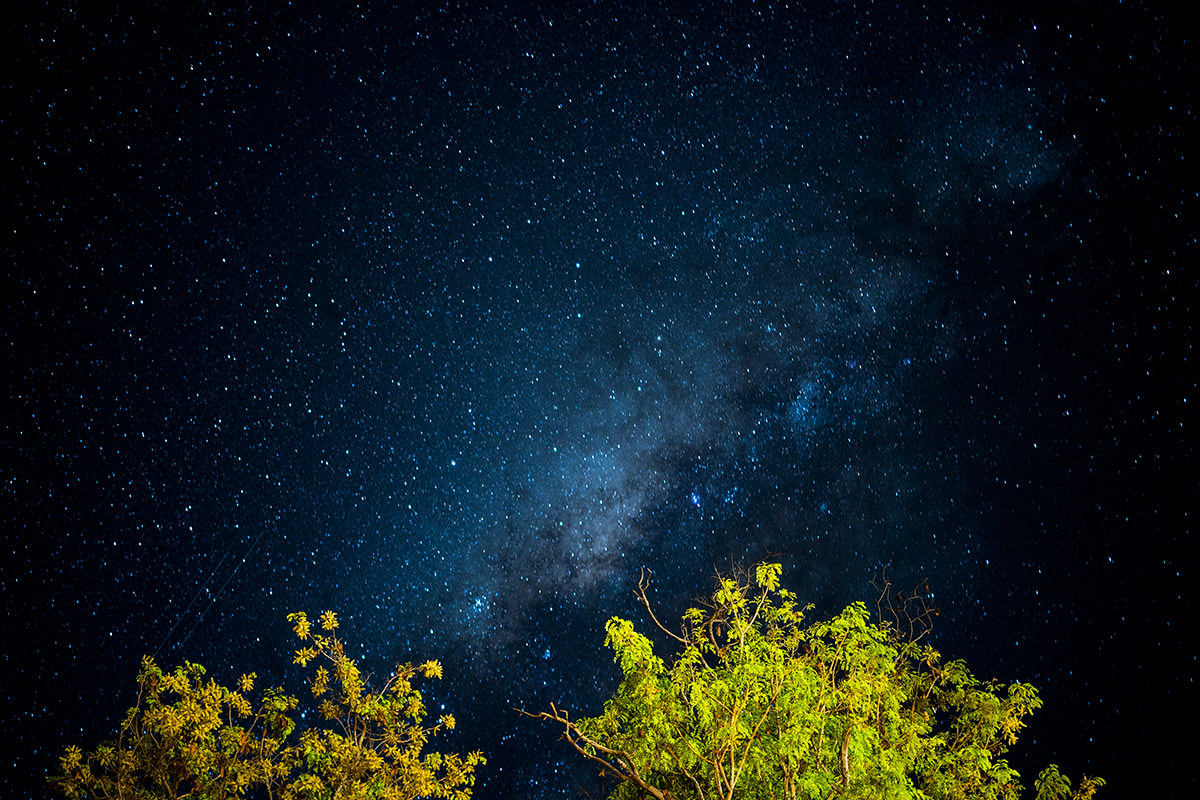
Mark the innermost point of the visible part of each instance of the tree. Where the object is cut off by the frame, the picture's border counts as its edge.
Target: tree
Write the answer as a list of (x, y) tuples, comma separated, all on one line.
[(758, 703), (194, 738)]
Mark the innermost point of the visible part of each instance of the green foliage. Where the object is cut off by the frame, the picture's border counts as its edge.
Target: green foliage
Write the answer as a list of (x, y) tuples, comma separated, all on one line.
[(758, 703), (188, 737), (1051, 785)]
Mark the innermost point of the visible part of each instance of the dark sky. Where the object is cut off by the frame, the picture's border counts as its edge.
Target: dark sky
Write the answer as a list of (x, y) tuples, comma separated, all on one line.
[(451, 319)]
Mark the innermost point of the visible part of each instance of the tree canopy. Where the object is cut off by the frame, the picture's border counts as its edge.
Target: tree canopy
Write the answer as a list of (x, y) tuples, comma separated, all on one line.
[(188, 736), (761, 704)]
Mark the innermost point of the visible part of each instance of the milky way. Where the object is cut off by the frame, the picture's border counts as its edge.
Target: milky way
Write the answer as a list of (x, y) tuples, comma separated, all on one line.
[(452, 320)]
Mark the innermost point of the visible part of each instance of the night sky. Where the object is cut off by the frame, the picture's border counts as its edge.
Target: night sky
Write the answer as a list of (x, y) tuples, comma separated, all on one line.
[(450, 319)]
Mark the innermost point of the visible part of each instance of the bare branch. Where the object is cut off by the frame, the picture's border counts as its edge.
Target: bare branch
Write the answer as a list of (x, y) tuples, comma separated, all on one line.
[(910, 614), (640, 593), (623, 769)]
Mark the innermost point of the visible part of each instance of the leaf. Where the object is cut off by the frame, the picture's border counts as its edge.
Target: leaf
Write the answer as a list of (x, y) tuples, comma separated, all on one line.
[(301, 624)]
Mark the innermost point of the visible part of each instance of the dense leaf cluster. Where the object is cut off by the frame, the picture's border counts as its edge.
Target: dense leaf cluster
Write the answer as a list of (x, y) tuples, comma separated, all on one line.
[(188, 737), (759, 704)]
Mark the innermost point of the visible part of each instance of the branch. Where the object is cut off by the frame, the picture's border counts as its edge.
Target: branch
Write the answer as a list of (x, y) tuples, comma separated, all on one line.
[(836, 789), (846, 757), (640, 593), (753, 737), (686, 771), (626, 770), (911, 611)]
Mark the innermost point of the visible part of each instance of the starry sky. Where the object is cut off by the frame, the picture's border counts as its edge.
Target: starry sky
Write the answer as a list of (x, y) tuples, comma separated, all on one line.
[(450, 316)]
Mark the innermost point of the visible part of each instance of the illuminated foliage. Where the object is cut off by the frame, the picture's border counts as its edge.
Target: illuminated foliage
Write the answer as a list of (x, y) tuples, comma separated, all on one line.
[(188, 737), (759, 704)]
